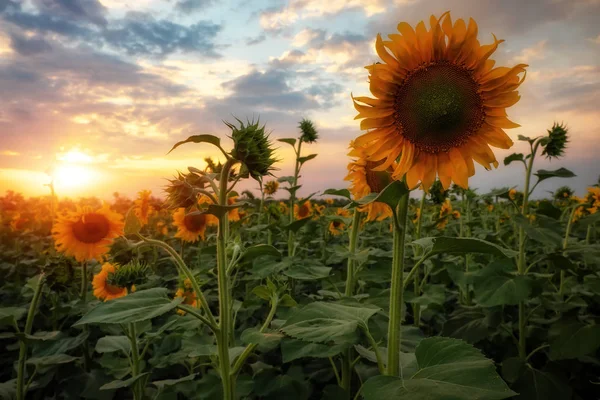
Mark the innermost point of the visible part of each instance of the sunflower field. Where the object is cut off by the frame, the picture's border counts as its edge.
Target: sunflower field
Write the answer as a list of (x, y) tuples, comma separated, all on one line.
[(406, 284)]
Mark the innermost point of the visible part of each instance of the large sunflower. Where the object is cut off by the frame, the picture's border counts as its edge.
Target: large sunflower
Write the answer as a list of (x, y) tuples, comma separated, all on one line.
[(191, 226), (303, 210), (366, 180), (102, 289), (85, 233), (439, 103), (143, 209)]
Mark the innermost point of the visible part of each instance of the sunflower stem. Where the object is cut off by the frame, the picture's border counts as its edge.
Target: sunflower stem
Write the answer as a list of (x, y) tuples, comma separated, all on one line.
[(417, 307), (397, 288), (37, 295), (135, 362), (225, 317), (349, 291), (522, 262), (561, 290), (291, 247)]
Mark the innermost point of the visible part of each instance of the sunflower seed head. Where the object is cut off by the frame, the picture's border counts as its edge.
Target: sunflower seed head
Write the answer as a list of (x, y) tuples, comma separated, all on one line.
[(252, 148), (556, 142), (309, 132)]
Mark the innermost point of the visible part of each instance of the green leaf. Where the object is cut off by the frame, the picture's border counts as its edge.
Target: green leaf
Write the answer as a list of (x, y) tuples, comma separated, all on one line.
[(497, 192), (262, 292), (132, 223), (589, 220), (292, 349), (109, 344), (495, 285), (432, 294), (449, 369), (390, 195), (139, 306), (266, 341), (290, 141), (338, 192), (287, 301), (327, 322), (524, 138), (47, 361), (260, 250), (542, 385), (543, 174), (118, 384), (60, 346), (214, 140), (513, 157), (454, 245), (541, 235), (573, 339), (10, 315), (172, 382), (307, 272), (304, 159), (296, 225)]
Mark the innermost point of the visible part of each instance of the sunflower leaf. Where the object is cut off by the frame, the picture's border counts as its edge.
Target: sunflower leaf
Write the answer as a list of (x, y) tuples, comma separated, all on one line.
[(290, 141), (338, 192), (514, 157), (304, 159), (543, 174), (212, 139), (390, 195), (453, 245)]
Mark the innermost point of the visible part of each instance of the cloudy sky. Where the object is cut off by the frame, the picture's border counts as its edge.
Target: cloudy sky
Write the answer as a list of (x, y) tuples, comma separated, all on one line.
[(100, 90)]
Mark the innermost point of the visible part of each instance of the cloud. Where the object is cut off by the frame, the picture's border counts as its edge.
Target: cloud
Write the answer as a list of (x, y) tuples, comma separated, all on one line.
[(28, 46), (256, 40), (188, 6), (528, 54), (308, 35), (141, 34), (81, 10)]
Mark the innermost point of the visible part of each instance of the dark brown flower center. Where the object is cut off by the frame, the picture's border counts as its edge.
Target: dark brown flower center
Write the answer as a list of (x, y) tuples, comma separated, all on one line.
[(438, 107), (194, 222), (91, 228), (337, 224), (377, 180)]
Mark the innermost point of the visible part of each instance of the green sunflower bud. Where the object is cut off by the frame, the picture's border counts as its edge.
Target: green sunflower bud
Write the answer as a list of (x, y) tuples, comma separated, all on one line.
[(437, 194), (563, 193), (309, 132), (182, 191), (132, 273), (556, 142), (252, 148)]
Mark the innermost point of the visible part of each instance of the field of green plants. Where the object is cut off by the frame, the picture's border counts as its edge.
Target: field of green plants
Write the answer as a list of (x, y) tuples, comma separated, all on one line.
[(401, 286)]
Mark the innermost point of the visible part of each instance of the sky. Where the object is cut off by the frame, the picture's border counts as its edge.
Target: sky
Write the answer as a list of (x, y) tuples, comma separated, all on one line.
[(98, 91)]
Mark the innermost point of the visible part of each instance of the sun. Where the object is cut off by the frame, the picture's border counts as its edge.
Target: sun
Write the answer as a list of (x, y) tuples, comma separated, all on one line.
[(73, 173)]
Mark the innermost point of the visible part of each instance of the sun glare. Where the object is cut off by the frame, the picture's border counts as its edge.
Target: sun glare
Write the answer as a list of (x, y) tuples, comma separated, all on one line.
[(73, 174)]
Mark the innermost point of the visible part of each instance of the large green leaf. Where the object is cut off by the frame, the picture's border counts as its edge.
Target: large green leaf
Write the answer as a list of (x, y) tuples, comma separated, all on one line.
[(109, 344), (537, 384), (454, 245), (296, 225), (9, 315), (572, 339), (47, 361), (118, 384), (390, 195), (449, 369), (290, 141), (543, 174), (260, 250), (138, 306), (496, 285), (338, 192), (307, 272), (513, 157), (292, 349), (541, 235), (322, 322), (265, 340), (304, 159), (214, 140)]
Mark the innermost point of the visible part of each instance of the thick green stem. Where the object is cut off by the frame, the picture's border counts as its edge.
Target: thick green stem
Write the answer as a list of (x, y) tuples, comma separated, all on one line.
[(225, 317), (349, 291), (37, 294), (84, 282), (467, 233), (522, 262), (291, 247), (397, 289), (561, 290), (417, 307), (135, 362)]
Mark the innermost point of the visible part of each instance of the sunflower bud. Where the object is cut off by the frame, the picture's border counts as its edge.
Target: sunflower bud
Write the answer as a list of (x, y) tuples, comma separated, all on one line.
[(60, 273), (252, 148), (563, 193), (182, 191), (437, 194), (555, 143), (309, 132), (128, 275), (271, 187)]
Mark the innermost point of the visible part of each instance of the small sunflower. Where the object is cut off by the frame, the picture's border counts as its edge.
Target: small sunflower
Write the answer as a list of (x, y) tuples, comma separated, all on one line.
[(490, 207), (303, 210), (85, 233), (329, 201), (188, 294), (593, 196), (271, 188), (102, 289), (233, 215), (190, 226), (512, 194), (162, 228), (446, 209), (365, 180), (143, 209), (417, 215), (318, 211), (439, 103)]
